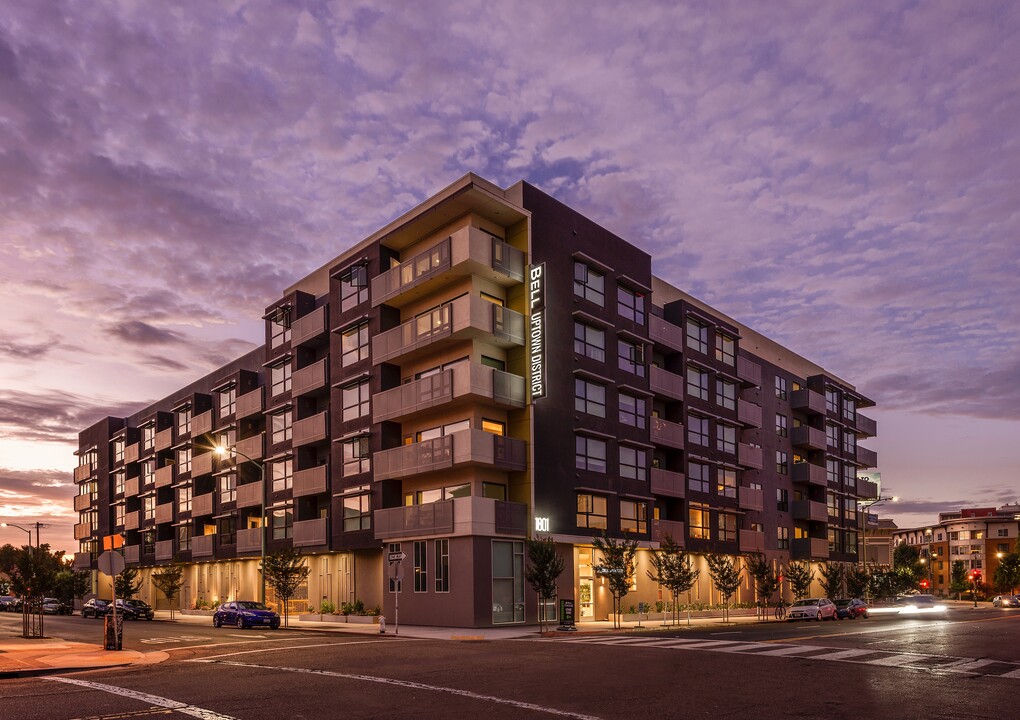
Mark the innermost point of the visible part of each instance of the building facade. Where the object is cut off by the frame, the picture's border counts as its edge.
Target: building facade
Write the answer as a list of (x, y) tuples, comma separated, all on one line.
[(490, 366)]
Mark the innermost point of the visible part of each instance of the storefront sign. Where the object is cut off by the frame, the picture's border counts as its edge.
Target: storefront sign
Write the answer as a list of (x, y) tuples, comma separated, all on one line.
[(603, 571), (536, 330), (566, 613)]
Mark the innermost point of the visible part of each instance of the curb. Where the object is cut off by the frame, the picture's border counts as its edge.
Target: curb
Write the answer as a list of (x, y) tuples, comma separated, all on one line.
[(37, 672)]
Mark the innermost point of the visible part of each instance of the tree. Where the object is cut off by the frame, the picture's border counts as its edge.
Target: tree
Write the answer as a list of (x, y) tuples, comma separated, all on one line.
[(801, 576), (127, 584), (766, 579), (33, 571), (726, 578), (907, 563), (958, 582), (856, 582), (544, 567), (673, 569), (168, 580), (1007, 575), (284, 571), (833, 579), (617, 567), (72, 584)]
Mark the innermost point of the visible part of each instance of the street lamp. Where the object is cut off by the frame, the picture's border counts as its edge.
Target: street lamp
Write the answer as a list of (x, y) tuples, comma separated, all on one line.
[(19, 528), (864, 535), (221, 451)]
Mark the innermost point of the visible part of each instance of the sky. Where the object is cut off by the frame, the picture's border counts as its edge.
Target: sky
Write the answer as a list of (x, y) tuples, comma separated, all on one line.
[(843, 177)]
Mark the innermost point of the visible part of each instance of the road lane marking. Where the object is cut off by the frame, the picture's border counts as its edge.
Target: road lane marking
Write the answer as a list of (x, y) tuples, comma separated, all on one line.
[(844, 654), (156, 700), (417, 686), (215, 658)]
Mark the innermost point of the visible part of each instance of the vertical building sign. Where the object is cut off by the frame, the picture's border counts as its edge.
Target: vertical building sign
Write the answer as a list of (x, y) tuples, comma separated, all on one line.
[(536, 330)]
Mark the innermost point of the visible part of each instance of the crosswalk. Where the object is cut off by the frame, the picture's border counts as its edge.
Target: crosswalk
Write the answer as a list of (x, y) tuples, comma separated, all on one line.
[(861, 656)]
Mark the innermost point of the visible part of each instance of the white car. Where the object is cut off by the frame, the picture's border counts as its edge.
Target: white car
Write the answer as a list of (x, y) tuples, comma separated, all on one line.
[(812, 609)]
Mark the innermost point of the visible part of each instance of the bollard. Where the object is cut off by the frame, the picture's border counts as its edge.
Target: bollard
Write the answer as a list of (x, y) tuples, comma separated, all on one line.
[(382, 624)]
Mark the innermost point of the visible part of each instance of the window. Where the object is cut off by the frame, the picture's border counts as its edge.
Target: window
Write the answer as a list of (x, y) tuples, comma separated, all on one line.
[(494, 363), (832, 503), (496, 491), (443, 565), (630, 304), (726, 482), (184, 499), (633, 463), (831, 435), (279, 327), (184, 420), (279, 378), (353, 287), (699, 517), (228, 441), (726, 394), (782, 500), (184, 460), (697, 430), (228, 401), (849, 408), (226, 528), (354, 399), (420, 566), (589, 284), (727, 527), (149, 507), (354, 345), (632, 357), (633, 411), (282, 473), (589, 341), (698, 477), (999, 532), (850, 476), (184, 537), (849, 442), (831, 401), (496, 427), (782, 538), (148, 472), (591, 511), (697, 336), (697, 382), (282, 523), (781, 391), (118, 450), (118, 483), (589, 397), (148, 436), (148, 542), (507, 582), (782, 429), (782, 463), (726, 438), (281, 427), (356, 457), (832, 471), (118, 515), (725, 349), (228, 488), (357, 512), (633, 517), (590, 454)]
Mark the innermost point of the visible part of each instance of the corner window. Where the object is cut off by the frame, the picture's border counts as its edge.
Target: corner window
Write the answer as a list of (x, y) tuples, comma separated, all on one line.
[(591, 511), (630, 304), (589, 284)]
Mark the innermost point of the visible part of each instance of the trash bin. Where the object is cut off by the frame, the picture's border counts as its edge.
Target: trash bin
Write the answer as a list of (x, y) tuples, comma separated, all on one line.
[(113, 633)]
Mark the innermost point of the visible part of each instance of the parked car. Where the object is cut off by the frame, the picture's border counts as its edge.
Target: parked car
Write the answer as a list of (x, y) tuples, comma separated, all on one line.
[(95, 608), (245, 614), (53, 606), (135, 609), (1006, 601), (812, 609), (9, 603), (851, 608), (919, 605)]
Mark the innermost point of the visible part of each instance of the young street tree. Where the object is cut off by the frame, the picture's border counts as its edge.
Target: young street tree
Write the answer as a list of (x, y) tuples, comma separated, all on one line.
[(544, 567), (33, 570), (72, 584), (856, 582), (285, 570), (168, 580), (1007, 574), (726, 578), (958, 582), (766, 579), (801, 577), (833, 579), (127, 584), (673, 569), (617, 567)]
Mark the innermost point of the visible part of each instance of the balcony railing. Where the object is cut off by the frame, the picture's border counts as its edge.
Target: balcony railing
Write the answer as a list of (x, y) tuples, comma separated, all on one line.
[(311, 429), (249, 494), (310, 532), (663, 382), (251, 403), (808, 401), (809, 548), (466, 317), (807, 437), (311, 378), (670, 434), (663, 332), (202, 505), (132, 453), (132, 486), (165, 550), (203, 546), (82, 561), (82, 472), (132, 553), (462, 380), (164, 513), (249, 540), (165, 476), (82, 502), (809, 510), (202, 464), (749, 456), (461, 516), (164, 439), (201, 424), (866, 458), (866, 426), (749, 372), (750, 499), (311, 481), (251, 448), (662, 528), (667, 482), (808, 473), (308, 327), (82, 531), (132, 520), (466, 447), (752, 541), (748, 413), (866, 489)]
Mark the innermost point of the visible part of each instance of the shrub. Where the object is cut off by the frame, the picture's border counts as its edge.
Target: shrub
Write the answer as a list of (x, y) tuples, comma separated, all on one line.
[(327, 608)]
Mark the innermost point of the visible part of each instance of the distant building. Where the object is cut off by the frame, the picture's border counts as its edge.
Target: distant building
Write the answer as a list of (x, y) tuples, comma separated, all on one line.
[(878, 542)]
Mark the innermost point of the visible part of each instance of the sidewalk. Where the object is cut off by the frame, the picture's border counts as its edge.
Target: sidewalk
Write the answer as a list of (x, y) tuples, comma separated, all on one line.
[(21, 657)]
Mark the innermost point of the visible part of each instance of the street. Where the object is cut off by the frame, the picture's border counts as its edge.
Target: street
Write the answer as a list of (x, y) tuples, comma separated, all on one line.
[(964, 665)]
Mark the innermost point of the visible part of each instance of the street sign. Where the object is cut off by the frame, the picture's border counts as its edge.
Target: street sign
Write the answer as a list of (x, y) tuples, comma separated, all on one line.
[(396, 557), (113, 542), (111, 563), (395, 571)]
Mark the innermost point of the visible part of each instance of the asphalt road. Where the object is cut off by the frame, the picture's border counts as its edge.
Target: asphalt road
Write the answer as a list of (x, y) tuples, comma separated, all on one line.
[(963, 666)]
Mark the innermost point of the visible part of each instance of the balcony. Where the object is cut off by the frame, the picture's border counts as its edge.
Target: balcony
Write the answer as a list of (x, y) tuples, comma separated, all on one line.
[(748, 372), (663, 332), (164, 439), (807, 473), (202, 505), (165, 476), (468, 317), (469, 251), (132, 553), (132, 520), (866, 458), (866, 427), (749, 456), (82, 502), (201, 464), (251, 448), (82, 561), (201, 424), (251, 403), (472, 381), (808, 401), (165, 550), (249, 494), (466, 447), (809, 510), (164, 513), (311, 429), (748, 413), (203, 546), (663, 382), (309, 327), (463, 516), (669, 483), (249, 540), (662, 528), (809, 549), (312, 378), (82, 472), (311, 481), (132, 486), (82, 531), (750, 499), (310, 532), (866, 489), (752, 541), (807, 437), (670, 434), (132, 453)]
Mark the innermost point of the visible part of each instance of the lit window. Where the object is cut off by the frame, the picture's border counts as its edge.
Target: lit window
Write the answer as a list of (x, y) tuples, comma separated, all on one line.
[(699, 517), (591, 511), (726, 482), (783, 538), (496, 427), (633, 517)]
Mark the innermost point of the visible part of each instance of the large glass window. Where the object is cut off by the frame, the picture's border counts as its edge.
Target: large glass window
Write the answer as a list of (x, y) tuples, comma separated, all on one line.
[(357, 512), (353, 287), (697, 335), (507, 581), (356, 457), (355, 401), (633, 463), (228, 487), (281, 429), (591, 511), (699, 516), (442, 565), (630, 304), (726, 438), (148, 436), (632, 357), (589, 341), (184, 460), (781, 388), (727, 526), (698, 477), (184, 499), (782, 429), (279, 376), (783, 538), (589, 453), (282, 523), (633, 410), (184, 420), (726, 394), (228, 401), (831, 401), (782, 463), (589, 284), (697, 382), (589, 397), (354, 345), (633, 517), (282, 472), (725, 349), (697, 430), (421, 566), (726, 482)]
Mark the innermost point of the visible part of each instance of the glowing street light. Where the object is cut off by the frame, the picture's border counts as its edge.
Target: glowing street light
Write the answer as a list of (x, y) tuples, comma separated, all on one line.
[(4, 524), (222, 451)]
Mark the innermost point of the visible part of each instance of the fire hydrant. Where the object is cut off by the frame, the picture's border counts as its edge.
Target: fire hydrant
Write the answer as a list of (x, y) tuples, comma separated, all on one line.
[(382, 624)]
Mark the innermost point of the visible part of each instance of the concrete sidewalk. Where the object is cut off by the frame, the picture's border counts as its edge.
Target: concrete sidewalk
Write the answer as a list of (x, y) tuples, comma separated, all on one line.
[(21, 657)]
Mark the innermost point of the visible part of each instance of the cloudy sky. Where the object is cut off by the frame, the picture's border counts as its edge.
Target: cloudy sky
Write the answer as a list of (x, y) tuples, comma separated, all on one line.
[(841, 176)]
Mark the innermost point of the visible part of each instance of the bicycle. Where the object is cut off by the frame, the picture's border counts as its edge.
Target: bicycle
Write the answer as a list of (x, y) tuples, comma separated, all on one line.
[(781, 610)]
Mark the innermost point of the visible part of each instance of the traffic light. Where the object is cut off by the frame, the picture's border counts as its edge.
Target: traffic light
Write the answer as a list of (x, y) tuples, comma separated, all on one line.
[(924, 584), (977, 576)]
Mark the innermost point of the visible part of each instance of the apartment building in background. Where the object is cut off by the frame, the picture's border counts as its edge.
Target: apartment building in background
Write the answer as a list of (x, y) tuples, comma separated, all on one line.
[(490, 366)]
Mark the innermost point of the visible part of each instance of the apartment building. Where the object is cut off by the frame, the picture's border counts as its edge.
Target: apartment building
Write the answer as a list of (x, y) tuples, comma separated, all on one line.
[(490, 366), (977, 537)]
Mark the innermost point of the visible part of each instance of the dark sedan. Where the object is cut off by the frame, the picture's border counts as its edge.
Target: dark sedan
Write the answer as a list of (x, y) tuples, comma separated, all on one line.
[(9, 603), (851, 608), (53, 606), (95, 608), (135, 609), (245, 614)]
